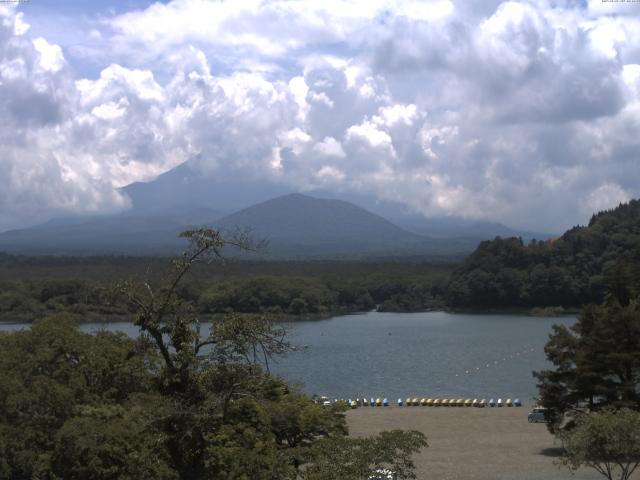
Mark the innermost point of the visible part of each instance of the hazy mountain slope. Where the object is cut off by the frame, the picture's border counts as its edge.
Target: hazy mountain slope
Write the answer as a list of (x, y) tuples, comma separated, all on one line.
[(446, 227), (295, 225), (299, 225), (129, 233), (435, 227), (185, 185), (298, 217)]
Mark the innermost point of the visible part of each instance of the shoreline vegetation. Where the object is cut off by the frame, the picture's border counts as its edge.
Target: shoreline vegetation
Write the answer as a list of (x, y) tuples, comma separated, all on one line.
[(542, 312), (549, 278), (286, 291)]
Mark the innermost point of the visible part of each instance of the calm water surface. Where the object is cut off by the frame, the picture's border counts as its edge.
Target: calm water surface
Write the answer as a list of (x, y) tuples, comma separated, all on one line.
[(432, 354)]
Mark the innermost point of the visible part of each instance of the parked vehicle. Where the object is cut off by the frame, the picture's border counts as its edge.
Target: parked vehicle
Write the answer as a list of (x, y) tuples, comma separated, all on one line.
[(536, 415)]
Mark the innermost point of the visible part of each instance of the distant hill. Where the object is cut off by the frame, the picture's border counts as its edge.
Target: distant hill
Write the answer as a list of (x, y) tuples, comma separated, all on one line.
[(581, 266), (435, 227), (130, 233), (297, 225), (294, 225), (352, 224), (187, 185), (455, 227)]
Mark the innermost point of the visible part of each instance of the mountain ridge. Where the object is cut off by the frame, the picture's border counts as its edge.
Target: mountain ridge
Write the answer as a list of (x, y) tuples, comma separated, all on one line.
[(296, 226)]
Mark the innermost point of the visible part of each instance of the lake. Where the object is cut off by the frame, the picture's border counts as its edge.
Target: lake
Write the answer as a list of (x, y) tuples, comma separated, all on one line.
[(430, 354)]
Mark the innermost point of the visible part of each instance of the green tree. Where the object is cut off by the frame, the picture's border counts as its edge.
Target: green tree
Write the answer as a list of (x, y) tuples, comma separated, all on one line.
[(232, 419), (113, 441), (176, 403), (363, 458), (596, 363), (50, 374), (607, 441)]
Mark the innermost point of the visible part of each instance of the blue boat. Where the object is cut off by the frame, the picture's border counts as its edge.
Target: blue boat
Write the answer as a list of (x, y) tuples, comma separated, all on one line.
[(385, 402), (399, 402), (492, 403)]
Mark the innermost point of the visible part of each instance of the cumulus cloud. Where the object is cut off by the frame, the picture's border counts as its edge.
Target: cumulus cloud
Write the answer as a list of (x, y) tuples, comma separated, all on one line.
[(518, 111)]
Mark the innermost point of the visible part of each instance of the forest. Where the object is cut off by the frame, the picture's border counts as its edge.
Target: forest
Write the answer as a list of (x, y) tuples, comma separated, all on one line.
[(575, 269), (567, 272), (34, 286)]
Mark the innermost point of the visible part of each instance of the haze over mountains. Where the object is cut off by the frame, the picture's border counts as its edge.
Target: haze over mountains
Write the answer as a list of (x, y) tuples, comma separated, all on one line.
[(295, 225)]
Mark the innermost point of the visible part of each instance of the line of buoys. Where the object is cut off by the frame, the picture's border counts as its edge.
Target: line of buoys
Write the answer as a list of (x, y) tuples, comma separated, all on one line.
[(469, 371)]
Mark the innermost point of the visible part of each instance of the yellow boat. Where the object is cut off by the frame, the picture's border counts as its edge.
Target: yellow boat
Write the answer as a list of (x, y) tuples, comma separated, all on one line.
[(474, 403), (508, 403), (467, 402), (429, 402), (365, 402), (460, 402), (437, 402), (407, 402), (378, 402), (423, 402), (415, 402), (445, 402), (483, 403)]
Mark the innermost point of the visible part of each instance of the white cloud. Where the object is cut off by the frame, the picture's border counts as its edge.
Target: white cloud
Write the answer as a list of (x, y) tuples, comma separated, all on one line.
[(368, 132), (604, 197), (522, 112), (51, 58), (330, 147), (396, 114), (329, 174), (111, 110)]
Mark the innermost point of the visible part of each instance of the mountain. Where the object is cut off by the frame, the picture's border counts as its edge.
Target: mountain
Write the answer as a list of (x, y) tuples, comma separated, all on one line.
[(297, 225), (447, 227), (437, 227), (129, 233), (294, 225), (582, 266), (187, 185)]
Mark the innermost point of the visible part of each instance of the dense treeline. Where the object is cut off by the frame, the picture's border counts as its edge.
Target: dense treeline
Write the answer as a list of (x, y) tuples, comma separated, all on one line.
[(570, 271), (575, 269), (30, 290)]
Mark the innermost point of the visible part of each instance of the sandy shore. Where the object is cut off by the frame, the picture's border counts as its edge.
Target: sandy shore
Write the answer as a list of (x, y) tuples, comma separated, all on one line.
[(472, 443)]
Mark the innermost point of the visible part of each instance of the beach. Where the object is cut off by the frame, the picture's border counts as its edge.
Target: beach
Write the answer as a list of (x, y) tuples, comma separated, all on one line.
[(472, 443)]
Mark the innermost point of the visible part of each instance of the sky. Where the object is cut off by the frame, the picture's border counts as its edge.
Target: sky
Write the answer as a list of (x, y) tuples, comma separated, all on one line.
[(526, 113)]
